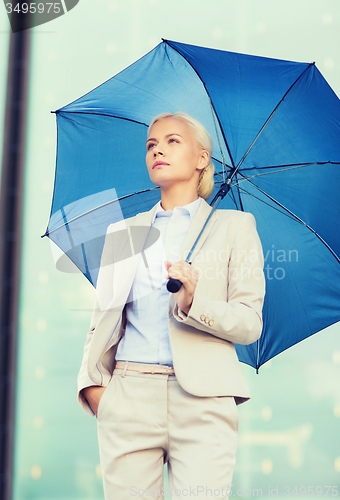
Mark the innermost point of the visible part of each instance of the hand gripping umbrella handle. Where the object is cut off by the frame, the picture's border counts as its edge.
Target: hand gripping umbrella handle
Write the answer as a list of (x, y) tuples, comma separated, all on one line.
[(174, 285)]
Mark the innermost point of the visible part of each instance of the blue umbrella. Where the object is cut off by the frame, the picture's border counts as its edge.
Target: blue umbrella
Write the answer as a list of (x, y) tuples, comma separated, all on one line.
[(275, 126)]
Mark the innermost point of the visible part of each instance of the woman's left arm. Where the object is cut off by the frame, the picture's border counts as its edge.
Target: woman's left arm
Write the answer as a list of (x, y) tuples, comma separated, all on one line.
[(239, 319)]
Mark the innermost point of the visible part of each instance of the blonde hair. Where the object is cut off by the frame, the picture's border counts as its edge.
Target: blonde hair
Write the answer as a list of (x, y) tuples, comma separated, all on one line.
[(206, 179)]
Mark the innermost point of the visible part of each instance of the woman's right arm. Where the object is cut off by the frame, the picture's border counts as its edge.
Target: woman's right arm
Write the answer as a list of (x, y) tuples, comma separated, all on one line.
[(88, 393), (84, 381), (115, 243)]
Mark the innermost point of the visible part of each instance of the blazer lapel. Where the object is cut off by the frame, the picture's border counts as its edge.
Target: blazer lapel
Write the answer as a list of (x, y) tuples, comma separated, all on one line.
[(138, 230), (195, 228), (106, 331)]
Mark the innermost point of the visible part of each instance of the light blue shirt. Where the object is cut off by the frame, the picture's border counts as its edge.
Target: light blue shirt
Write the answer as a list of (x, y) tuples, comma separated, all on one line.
[(146, 336)]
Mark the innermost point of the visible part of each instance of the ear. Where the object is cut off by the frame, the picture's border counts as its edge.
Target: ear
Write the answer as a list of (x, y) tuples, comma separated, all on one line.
[(204, 159)]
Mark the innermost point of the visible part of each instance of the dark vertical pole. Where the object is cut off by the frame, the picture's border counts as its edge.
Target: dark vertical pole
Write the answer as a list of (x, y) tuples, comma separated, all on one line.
[(10, 240)]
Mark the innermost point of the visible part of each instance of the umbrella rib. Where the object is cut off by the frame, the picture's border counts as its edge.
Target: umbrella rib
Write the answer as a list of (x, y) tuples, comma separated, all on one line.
[(274, 172), (268, 119), (284, 165), (230, 192), (57, 112), (239, 196), (269, 205), (218, 139), (233, 197), (221, 175), (296, 218), (291, 166), (219, 122), (96, 208)]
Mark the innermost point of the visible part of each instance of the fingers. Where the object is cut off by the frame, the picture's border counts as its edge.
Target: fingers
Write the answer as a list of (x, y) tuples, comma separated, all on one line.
[(188, 276), (184, 272)]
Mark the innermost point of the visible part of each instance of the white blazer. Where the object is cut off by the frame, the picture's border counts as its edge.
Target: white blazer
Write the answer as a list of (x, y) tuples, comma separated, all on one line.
[(226, 309)]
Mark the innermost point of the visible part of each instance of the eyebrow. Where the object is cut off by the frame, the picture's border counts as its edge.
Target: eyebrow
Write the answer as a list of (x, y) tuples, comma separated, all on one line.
[(168, 135)]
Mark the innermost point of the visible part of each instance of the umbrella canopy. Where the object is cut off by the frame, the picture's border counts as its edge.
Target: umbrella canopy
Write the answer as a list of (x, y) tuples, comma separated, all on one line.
[(275, 126)]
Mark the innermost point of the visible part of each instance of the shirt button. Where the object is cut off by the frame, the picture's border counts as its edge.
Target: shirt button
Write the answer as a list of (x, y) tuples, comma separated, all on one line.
[(211, 322), (206, 320), (202, 318)]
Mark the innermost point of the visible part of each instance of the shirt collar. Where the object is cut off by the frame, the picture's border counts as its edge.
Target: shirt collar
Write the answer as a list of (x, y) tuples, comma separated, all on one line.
[(190, 208)]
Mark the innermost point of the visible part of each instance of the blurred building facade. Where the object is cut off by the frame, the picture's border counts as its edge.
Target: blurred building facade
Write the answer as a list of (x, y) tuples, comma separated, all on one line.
[(289, 430)]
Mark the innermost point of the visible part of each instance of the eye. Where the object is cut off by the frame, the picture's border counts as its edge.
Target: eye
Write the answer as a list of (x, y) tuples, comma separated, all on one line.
[(150, 145), (173, 140)]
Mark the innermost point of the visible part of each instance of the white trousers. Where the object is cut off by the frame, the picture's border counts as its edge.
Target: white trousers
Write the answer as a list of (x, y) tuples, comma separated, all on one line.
[(146, 420)]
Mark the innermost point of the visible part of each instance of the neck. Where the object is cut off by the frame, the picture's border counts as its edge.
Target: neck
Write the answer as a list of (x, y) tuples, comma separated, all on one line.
[(177, 196)]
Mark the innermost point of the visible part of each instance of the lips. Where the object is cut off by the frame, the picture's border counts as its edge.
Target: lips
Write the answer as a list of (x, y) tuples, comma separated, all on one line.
[(158, 164)]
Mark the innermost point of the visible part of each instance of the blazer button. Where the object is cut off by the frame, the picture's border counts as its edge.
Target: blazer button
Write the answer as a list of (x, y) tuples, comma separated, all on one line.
[(207, 320), (211, 322), (202, 318)]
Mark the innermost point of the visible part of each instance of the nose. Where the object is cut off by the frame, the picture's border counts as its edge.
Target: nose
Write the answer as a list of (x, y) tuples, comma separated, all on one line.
[(157, 152)]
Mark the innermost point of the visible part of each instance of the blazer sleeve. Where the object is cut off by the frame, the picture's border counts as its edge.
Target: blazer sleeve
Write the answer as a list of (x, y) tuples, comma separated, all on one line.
[(103, 298), (239, 318), (84, 379)]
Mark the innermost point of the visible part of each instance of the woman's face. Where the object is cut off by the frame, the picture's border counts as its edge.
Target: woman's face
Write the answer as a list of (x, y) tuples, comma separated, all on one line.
[(173, 155)]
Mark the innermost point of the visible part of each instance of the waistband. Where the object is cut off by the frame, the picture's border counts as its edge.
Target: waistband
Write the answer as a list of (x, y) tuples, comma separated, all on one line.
[(153, 368)]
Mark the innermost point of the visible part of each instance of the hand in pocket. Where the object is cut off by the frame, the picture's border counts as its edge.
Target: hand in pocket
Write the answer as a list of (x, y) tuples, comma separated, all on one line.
[(93, 395)]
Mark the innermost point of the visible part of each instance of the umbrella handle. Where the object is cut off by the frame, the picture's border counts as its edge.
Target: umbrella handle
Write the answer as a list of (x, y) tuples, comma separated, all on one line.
[(174, 285)]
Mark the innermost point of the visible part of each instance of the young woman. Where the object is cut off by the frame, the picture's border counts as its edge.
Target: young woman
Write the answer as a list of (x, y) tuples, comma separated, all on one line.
[(160, 370)]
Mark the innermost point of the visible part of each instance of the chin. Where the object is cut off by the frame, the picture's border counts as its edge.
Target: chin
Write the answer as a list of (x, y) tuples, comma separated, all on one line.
[(160, 179)]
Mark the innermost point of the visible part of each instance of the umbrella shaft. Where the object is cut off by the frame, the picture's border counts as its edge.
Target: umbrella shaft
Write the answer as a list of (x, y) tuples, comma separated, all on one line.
[(219, 196)]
